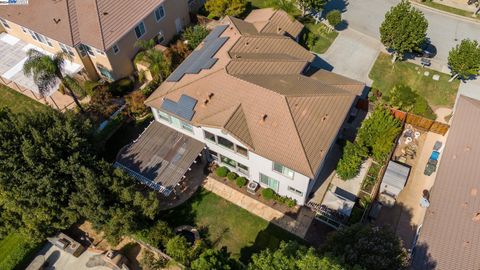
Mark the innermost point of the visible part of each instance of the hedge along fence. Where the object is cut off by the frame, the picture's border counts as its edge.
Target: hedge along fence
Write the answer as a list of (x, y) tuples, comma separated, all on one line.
[(421, 122)]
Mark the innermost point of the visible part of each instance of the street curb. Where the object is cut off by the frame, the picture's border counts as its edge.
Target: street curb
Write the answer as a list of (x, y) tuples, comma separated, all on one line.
[(463, 18)]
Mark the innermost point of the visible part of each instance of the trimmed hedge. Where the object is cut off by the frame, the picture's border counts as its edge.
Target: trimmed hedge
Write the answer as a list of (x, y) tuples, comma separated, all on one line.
[(268, 193), (222, 171), (241, 181), (232, 176), (334, 17)]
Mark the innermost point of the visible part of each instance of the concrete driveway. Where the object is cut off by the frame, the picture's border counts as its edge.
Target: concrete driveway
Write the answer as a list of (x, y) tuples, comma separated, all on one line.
[(353, 55)]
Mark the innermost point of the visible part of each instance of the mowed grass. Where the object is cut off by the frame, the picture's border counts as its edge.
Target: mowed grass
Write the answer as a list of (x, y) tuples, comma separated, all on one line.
[(225, 224), (457, 11), (14, 249), (17, 102), (386, 75)]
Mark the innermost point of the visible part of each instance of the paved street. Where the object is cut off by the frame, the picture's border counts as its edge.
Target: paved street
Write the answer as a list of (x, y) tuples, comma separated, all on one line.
[(445, 31)]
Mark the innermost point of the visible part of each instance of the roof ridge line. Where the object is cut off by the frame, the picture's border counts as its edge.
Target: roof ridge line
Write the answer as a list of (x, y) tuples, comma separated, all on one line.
[(299, 138), (70, 20), (230, 117), (100, 24)]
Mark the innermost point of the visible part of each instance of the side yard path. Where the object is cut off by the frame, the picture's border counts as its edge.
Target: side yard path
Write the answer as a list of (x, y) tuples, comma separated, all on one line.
[(298, 226)]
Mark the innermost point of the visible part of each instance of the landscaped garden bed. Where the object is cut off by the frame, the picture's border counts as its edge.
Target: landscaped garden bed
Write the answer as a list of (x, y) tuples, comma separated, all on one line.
[(268, 197)]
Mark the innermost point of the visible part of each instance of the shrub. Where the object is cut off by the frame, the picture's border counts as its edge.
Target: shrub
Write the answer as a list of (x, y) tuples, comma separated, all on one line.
[(90, 87), (194, 35), (378, 133), (334, 17), (422, 108), (232, 176), (179, 249), (121, 87), (351, 161), (268, 193), (222, 171), (150, 262), (291, 202), (158, 235), (241, 181), (136, 103)]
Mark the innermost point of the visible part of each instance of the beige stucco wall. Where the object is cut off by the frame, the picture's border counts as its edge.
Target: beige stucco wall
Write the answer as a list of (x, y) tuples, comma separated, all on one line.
[(122, 63)]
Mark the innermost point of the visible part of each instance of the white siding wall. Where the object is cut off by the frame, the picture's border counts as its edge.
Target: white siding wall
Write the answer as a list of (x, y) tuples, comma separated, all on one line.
[(256, 164)]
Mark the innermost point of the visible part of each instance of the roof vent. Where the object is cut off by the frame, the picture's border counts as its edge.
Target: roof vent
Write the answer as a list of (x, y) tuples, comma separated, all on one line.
[(325, 117), (247, 43), (105, 13), (205, 102), (210, 95), (264, 117), (476, 217), (56, 20)]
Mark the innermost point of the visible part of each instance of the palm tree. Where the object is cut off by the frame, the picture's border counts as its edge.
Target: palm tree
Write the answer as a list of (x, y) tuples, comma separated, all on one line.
[(47, 71), (159, 65)]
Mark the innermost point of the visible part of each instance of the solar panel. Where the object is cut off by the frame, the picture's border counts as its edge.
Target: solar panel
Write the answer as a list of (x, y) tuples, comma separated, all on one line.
[(201, 58), (183, 108)]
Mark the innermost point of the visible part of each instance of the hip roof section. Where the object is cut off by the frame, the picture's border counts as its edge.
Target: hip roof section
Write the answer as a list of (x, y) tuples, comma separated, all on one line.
[(264, 100)]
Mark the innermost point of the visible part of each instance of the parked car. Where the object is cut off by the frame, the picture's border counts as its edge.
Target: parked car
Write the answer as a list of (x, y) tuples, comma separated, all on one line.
[(427, 50)]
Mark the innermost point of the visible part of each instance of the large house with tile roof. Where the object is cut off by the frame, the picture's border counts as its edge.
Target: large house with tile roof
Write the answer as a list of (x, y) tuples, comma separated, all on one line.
[(99, 35), (245, 96)]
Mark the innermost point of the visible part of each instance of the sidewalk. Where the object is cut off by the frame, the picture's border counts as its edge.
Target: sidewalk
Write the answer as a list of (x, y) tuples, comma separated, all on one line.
[(298, 226)]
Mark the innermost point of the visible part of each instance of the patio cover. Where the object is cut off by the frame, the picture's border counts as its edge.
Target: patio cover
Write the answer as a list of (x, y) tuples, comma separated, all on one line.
[(395, 178), (160, 157), (339, 203)]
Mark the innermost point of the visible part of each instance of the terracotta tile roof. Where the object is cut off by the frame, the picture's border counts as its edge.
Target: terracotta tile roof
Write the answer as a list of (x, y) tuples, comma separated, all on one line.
[(264, 100), (98, 23), (270, 21), (450, 235)]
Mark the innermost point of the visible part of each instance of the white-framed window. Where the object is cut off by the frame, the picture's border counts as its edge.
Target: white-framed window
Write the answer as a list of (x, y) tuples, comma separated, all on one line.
[(115, 49), (165, 116), (295, 191), (4, 23), (67, 49), (283, 170), (99, 52), (233, 164), (40, 38), (186, 126), (160, 13), (140, 30), (225, 143), (269, 182), (209, 136)]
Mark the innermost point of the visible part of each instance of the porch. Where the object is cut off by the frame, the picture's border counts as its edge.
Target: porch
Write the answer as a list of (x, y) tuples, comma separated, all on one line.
[(13, 54)]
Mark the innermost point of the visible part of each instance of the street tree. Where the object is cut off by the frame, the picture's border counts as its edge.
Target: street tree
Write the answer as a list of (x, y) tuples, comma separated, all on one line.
[(48, 71), (464, 59), (368, 247), (404, 29)]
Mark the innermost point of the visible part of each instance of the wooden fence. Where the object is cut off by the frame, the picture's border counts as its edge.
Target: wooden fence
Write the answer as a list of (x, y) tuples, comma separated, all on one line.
[(421, 122)]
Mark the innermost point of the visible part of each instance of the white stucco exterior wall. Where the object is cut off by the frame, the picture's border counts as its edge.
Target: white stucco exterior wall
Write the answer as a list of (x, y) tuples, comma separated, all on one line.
[(256, 163)]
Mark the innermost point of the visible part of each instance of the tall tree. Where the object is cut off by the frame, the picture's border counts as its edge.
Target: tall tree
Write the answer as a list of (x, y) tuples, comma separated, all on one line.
[(158, 64), (367, 247), (293, 256), (212, 259), (47, 72), (195, 35), (464, 59), (312, 5), (220, 8), (404, 29)]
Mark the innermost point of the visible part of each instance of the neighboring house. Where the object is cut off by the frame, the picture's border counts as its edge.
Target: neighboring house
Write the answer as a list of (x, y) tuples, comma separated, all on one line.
[(99, 35), (245, 96), (450, 234)]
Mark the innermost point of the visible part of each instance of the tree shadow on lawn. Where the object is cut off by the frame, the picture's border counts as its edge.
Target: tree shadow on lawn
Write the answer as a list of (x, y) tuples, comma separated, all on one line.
[(335, 4), (270, 237)]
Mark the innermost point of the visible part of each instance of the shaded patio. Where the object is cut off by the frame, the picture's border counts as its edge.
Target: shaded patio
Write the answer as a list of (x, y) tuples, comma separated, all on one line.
[(160, 158)]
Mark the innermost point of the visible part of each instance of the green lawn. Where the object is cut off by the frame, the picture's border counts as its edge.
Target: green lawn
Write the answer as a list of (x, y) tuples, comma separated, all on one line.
[(15, 250), (386, 75), (457, 11), (18, 102), (325, 37), (228, 225)]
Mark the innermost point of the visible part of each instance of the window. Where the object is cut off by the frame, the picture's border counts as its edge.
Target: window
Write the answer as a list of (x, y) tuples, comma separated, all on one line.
[(270, 182), (242, 168), (140, 30), (99, 52), (40, 38), (242, 151), (165, 116), (230, 162), (283, 170), (187, 126), (295, 191), (160, 38), (87, 49), (226, 143), (4, 22), (66, 49), (105, 72), (115, 49), (209, 136), (159, 13), (213, 154)]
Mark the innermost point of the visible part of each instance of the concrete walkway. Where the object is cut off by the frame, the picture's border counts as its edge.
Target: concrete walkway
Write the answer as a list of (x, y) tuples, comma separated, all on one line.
[(298, 226)]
